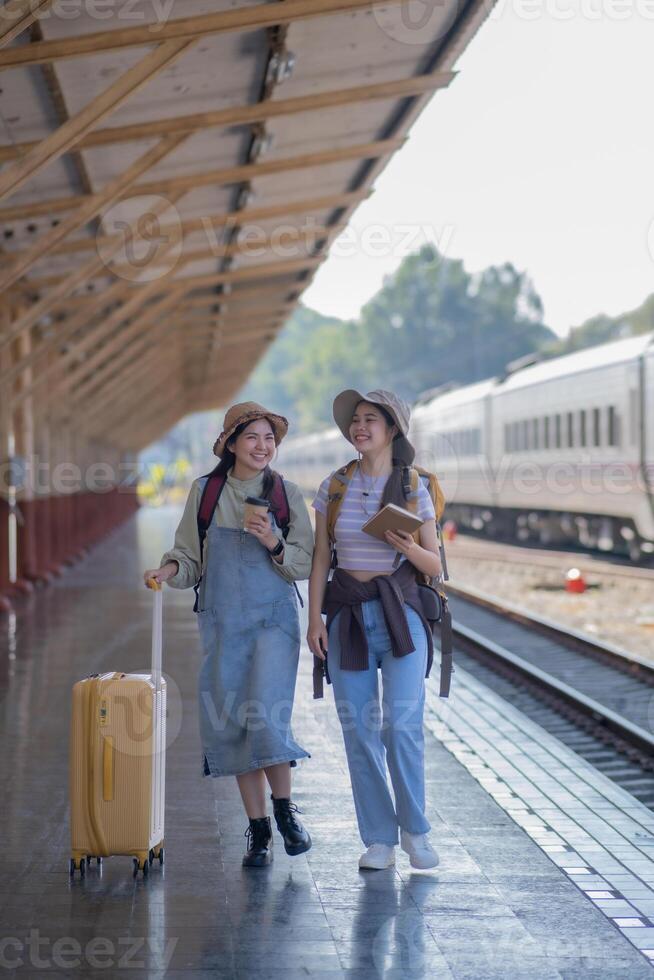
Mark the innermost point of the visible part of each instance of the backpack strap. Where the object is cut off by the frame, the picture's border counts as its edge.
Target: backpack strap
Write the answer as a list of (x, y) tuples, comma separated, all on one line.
[(211, 492), (279, 504), (281, 509), (340, 481), (213, 487), (410, 482)]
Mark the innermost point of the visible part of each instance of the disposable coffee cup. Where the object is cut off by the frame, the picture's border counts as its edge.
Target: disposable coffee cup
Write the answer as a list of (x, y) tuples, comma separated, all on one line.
[(254, 506)]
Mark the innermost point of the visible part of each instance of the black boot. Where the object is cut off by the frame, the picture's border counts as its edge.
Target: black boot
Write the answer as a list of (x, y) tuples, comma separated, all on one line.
[(296, 838), (259, 835)]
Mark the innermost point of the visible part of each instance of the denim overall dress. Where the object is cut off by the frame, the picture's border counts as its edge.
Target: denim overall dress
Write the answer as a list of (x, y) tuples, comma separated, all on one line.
[(250, 630)]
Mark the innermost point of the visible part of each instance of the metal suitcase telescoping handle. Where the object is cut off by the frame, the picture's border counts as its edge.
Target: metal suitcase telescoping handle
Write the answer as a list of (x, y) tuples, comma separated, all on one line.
[(157, 631)]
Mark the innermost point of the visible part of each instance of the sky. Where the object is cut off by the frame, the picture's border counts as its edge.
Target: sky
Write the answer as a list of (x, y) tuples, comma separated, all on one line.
[(540, 153)]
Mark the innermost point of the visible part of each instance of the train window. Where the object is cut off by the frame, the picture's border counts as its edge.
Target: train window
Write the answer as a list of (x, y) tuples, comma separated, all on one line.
[(557, 431), (571, 430), (612, 426), (507, 442), (534, 434), (524, 434), (477, 440), (546, 432), (633, 416), (597, 431), (582, 426)]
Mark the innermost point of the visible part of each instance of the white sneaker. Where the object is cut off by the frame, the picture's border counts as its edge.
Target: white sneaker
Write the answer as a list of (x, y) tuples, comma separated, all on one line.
[(378, 856), (421, 853)]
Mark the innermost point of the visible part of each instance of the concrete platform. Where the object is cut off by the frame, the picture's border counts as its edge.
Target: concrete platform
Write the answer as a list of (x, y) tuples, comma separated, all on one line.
[(498, 906)]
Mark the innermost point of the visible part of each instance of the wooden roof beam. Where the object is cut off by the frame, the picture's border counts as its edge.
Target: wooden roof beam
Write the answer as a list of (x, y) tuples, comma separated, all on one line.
[(142, 293), (144, 426), (115, 346), (108, 365), (249, 114), (124, 413), (123, 381), (17, 15), (207, 222), (67, 135), (245, 172), (79, 276), (184, 28), (89, 207)]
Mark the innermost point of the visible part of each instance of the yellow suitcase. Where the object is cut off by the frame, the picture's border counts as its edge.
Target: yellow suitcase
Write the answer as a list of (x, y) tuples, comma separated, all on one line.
[(117, 762)]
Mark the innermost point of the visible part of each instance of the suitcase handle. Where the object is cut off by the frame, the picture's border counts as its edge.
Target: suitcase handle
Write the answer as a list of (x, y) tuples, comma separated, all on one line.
[(157, 631)]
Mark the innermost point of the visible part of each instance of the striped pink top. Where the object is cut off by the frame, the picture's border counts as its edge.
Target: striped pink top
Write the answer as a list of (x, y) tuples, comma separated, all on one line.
[(357, 550)]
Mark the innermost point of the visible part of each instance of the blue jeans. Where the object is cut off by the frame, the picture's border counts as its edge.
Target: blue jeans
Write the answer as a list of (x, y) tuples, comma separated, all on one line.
[(390, 734)]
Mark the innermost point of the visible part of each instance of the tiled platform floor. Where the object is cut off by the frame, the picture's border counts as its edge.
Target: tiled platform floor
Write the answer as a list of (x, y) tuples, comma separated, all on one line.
[(497, 907)]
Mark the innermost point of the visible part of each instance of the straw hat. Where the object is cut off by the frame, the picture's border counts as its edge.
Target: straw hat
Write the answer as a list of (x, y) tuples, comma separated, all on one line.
[(347, 401), (248, 412)]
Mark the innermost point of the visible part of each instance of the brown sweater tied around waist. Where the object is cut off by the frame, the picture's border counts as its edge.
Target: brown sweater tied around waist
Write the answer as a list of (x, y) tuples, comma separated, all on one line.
[(345, 593)]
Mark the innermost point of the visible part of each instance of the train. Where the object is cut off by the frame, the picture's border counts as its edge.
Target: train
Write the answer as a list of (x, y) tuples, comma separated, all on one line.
[(554, 451)]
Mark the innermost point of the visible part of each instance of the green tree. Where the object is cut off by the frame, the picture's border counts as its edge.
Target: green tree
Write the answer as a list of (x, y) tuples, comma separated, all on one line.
[(433, 322), (274, 379), (336, 356), (601, 328)]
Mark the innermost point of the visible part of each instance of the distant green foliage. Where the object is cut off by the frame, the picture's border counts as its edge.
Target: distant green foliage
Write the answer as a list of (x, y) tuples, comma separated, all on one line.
[(431, 322), (601, 328), (277, 379)]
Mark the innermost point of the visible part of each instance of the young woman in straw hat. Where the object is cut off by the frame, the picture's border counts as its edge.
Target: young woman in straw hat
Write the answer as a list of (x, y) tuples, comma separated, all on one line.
[(375, 620), (249, 625)]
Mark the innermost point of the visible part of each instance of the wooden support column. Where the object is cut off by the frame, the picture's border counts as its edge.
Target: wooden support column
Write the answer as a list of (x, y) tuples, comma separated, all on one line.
[(27, 570), (6, 437)]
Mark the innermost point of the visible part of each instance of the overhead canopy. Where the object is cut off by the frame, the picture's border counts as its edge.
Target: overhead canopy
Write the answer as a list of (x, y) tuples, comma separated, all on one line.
[(173, 174)]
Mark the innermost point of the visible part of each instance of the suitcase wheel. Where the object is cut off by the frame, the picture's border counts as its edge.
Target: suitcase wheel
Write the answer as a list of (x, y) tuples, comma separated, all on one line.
[(157, 852), (141, 864), (75, 863)]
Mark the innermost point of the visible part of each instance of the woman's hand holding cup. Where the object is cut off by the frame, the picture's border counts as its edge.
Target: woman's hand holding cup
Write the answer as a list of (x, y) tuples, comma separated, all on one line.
[(256, 522), (260, 528)]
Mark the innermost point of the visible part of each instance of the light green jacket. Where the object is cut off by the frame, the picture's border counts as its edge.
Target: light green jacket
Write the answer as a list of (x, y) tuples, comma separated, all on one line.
[(298, 548)]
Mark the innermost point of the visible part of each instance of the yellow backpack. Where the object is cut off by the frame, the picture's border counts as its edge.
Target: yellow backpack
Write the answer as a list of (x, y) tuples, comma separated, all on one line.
[(411, 477)]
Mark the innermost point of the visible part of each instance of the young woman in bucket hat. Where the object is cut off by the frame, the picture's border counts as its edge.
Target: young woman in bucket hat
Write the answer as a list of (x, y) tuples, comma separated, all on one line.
[(375, 621), (249, 624)]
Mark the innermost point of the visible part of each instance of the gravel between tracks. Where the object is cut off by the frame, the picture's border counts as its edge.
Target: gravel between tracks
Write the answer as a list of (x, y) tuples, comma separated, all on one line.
[(617, 611)]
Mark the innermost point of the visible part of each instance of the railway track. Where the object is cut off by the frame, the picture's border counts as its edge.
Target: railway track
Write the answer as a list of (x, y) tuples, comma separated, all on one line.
[(591, 564), (597, 699)]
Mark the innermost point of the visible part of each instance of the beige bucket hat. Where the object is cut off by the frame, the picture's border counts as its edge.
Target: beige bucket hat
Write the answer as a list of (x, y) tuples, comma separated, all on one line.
[(347, 401), (248, 412)]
